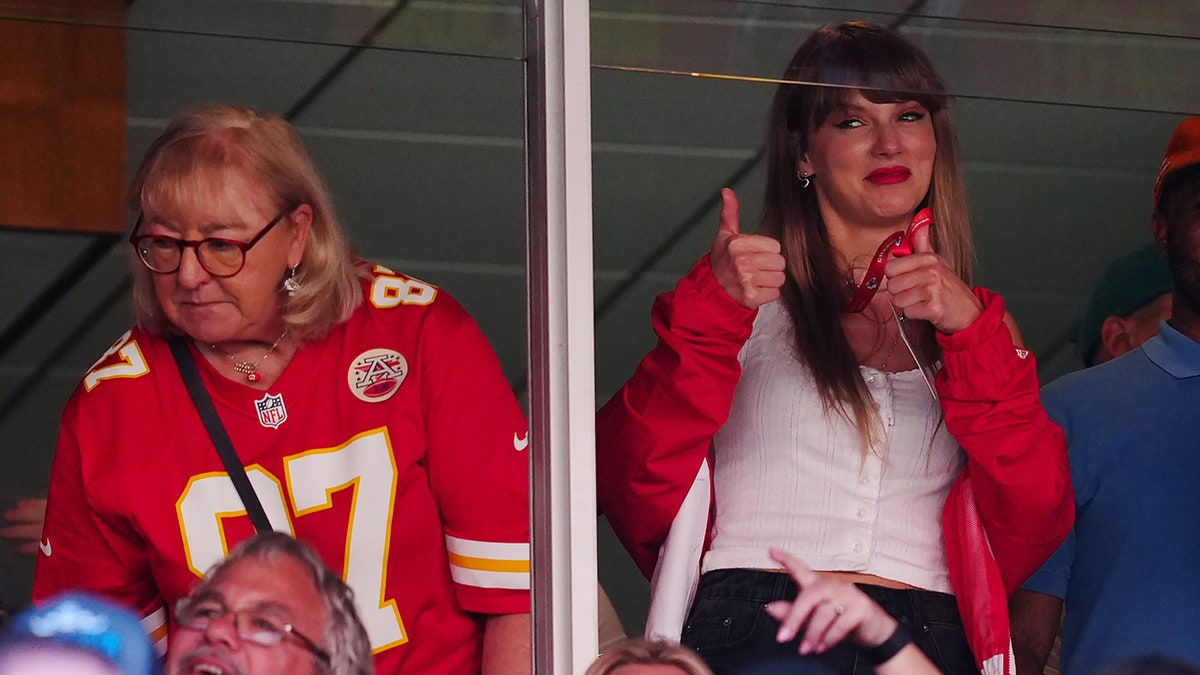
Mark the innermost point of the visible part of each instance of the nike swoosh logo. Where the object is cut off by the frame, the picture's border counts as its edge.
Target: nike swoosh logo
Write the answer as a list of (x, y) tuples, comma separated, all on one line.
[(519, 443), (45, 547)]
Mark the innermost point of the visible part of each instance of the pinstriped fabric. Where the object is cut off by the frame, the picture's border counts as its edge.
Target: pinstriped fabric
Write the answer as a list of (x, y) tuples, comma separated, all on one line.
[(787, 474)]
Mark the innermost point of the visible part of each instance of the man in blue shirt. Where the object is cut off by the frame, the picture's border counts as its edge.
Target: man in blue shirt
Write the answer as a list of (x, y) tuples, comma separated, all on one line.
[(1127, 573)]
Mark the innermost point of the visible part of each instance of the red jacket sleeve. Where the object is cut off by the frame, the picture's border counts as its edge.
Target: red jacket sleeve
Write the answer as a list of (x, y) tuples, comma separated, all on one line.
[(652, 436), (1016, 455)]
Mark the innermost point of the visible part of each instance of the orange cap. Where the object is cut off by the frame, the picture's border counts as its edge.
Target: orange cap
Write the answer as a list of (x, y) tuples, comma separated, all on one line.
[(1183, 151)]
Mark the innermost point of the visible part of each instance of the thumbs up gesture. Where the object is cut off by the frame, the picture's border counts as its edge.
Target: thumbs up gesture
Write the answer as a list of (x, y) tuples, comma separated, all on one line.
[(749, 267), (923, 286)]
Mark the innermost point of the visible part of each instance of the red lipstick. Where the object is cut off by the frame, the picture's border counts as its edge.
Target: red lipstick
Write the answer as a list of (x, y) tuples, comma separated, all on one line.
[(889, 175)]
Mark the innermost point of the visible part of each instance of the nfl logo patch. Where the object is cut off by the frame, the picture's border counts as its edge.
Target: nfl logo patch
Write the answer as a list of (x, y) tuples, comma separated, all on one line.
[(271, 411), (376, 374)]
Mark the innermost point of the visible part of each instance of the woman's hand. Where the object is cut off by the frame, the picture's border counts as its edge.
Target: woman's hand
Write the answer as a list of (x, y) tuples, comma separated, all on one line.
[(749, 267), (827, 611), (923, 286), (25, 528)]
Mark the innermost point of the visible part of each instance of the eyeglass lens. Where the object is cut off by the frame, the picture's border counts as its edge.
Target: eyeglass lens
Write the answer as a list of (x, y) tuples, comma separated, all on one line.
[(253, 624), (217, 256)]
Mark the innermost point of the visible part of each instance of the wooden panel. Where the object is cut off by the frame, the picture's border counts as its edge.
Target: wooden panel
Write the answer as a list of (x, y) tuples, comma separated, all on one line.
[(62, 120)]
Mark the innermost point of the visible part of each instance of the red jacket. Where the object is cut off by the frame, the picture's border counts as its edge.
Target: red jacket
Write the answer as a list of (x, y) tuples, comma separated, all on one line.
[(1008, 511)]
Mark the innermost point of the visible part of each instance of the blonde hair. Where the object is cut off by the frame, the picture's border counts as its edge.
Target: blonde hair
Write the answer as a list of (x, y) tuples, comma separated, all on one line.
[(883, 67), (186, 166), (636, 651)]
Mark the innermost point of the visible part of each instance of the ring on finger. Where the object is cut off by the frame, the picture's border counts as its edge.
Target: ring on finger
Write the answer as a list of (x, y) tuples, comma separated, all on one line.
[(837, 608)]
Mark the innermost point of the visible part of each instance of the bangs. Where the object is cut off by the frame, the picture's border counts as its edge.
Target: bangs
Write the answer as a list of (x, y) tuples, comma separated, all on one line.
[(189, 175), (856, 59)]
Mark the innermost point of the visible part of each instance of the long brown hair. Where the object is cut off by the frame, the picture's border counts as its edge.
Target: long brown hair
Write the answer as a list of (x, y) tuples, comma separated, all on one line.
[(884, 68)]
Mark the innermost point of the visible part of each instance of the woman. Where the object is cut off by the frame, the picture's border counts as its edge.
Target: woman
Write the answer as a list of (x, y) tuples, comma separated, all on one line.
[(366, 409), (826, 438)]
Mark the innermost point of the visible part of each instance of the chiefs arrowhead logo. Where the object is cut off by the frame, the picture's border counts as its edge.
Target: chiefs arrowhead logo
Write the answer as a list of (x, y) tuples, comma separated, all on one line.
[(376, 374)]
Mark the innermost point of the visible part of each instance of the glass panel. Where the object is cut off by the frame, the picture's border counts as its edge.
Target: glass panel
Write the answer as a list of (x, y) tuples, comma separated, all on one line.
[(1063, 113), (419, 135), (488, 28), (1027, 51)]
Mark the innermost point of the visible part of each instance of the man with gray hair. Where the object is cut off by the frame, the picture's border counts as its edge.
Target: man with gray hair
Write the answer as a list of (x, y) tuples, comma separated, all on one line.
[(273, 607)]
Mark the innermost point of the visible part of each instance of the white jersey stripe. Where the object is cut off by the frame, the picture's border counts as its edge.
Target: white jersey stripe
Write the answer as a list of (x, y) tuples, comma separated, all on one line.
[(487, 549), (488, 579), (155, 625)]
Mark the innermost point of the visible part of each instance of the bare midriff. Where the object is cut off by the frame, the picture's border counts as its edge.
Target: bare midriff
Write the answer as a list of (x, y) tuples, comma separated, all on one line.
[(859, 578)]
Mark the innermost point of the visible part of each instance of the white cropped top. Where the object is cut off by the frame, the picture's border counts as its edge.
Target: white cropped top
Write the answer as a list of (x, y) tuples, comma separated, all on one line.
[(789, 475)]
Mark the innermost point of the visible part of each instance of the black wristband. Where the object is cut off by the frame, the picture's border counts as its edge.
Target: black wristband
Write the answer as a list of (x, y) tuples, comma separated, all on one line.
[(884, 651)]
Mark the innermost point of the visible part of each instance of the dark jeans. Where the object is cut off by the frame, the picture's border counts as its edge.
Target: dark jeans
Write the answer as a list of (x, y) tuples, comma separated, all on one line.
[(729, 628)]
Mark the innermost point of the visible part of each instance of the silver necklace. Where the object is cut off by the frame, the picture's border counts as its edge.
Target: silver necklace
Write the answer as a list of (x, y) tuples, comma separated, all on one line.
[(891, 350), (249, 368)]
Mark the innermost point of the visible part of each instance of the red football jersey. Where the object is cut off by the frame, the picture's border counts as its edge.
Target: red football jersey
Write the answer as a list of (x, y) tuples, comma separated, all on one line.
[(394, 447)]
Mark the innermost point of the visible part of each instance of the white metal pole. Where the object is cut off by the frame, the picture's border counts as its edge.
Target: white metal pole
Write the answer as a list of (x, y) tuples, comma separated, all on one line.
[(561, 354)]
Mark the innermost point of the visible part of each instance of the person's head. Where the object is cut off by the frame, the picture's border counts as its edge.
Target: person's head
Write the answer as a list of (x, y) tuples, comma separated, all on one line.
[(77, 633), (1177, 218), (639, 656), (842, 73), (862, 139), (227, 172), (1130, 299), (273, 607)]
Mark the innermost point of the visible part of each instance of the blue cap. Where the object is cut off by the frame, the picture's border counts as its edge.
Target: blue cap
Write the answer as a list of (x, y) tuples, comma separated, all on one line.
[(89, 622)]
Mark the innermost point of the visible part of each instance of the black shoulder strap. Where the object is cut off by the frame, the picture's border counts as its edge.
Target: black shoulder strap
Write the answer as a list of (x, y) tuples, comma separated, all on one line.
[(204, 404)]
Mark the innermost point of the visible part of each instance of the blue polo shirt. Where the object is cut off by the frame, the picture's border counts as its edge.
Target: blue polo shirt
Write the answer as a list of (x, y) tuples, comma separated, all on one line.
[(1130, 570)]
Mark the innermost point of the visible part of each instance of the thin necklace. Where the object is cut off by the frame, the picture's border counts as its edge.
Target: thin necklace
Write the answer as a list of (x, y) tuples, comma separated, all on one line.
[(250, 368), (887, 358), (891, 350)]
